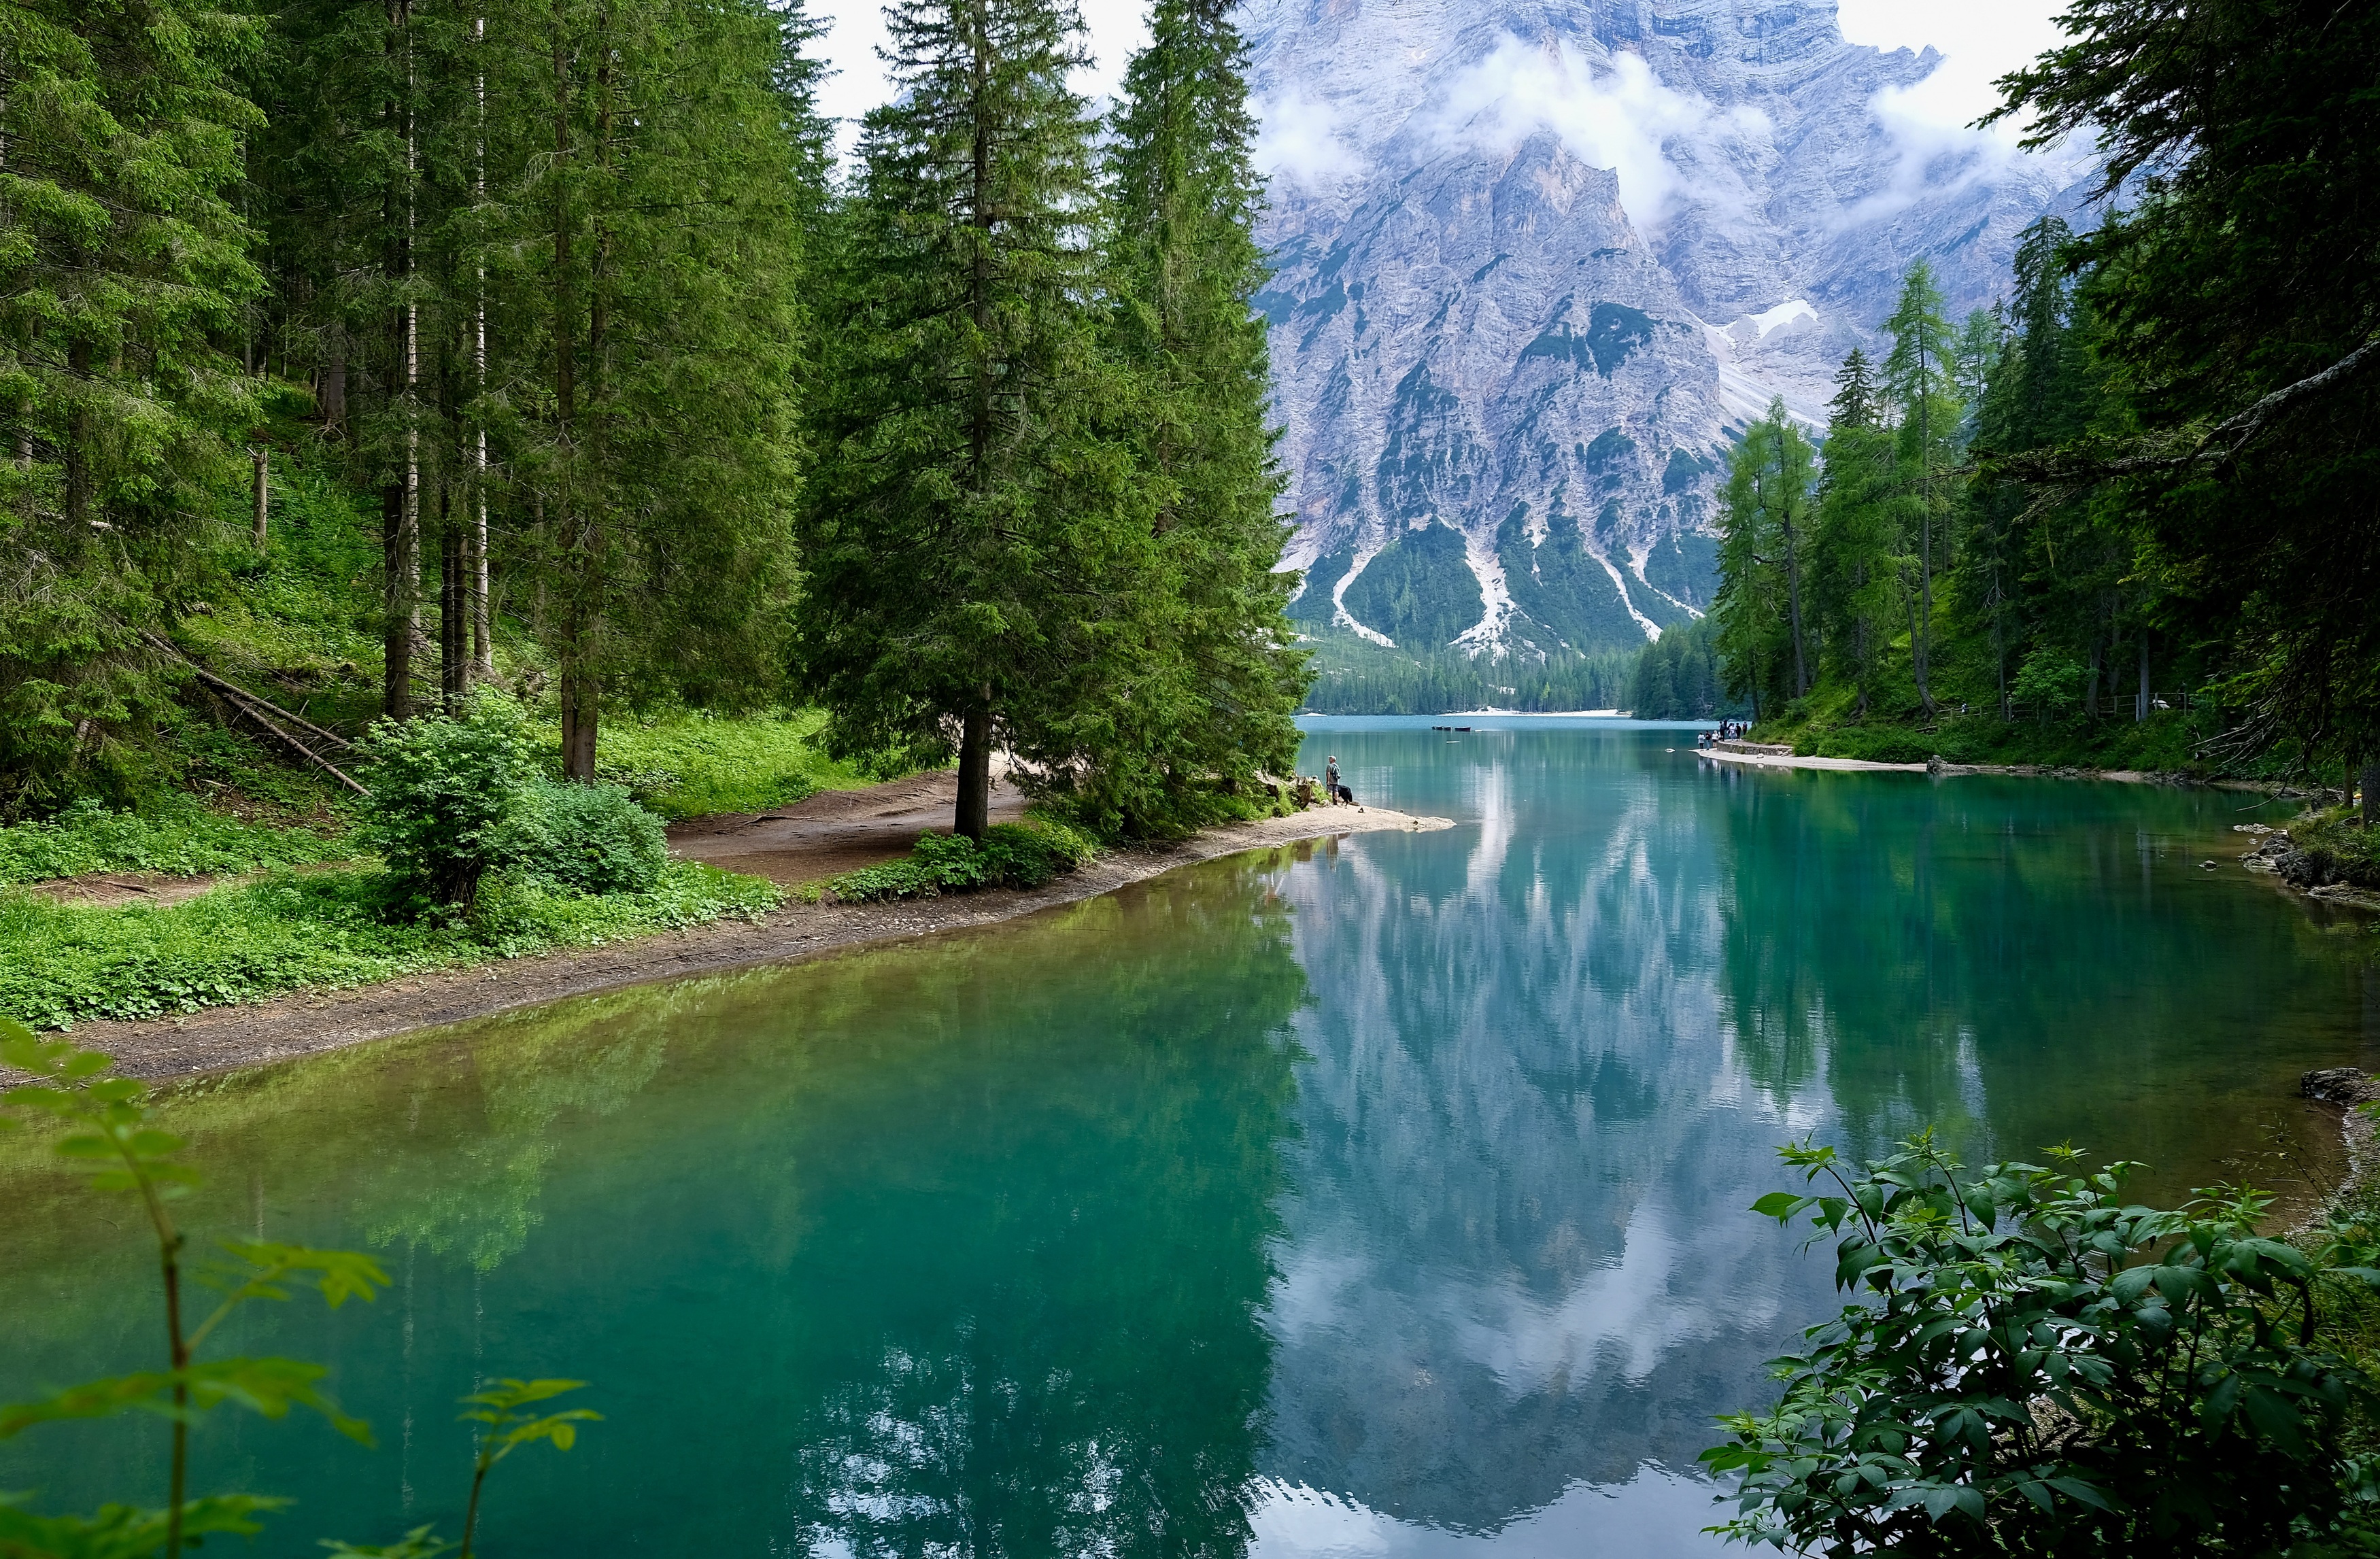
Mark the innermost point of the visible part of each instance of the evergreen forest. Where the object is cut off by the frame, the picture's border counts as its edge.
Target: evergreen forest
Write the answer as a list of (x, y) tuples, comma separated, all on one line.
[(2127, 515), (356, 357)]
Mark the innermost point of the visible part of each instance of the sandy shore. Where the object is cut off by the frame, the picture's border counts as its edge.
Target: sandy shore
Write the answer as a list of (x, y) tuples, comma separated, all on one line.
[(876, 824)]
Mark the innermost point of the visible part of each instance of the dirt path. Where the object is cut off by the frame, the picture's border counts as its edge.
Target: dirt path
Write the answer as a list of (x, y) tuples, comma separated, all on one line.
[(308, 1021), (833, 831)]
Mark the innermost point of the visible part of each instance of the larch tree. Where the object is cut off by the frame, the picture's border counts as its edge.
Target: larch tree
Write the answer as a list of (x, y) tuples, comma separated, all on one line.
[(974, 535), (1919, 380), (1764, 536)]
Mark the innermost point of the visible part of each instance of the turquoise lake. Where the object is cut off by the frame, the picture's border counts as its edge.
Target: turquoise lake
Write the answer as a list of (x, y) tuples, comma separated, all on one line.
[(1378, 1197)]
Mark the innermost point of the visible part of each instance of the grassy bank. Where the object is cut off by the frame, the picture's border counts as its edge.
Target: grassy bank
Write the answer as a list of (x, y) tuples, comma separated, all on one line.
[(66, 964), (1826, 724)]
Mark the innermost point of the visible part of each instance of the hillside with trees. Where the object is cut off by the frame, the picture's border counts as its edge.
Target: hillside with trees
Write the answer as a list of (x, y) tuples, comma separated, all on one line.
[(357, 356), (2128, 516)]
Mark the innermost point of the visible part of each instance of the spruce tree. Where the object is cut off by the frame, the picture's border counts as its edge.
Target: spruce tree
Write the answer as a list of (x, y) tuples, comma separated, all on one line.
[(124, 263), (643, 253), (1217, 680), (973, 538)]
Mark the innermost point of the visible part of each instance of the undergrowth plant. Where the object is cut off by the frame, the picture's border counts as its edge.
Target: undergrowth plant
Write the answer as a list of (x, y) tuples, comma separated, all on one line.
[(1028, 855), (108, 1135), (2032, 1365)]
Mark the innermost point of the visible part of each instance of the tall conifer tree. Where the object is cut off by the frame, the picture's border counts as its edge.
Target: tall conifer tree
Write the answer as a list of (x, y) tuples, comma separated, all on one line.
[(1918, 375), (1219, 679), (973, 538)]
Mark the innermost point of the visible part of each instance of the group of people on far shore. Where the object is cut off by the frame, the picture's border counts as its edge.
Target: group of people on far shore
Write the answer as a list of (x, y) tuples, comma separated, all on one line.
[(1728, 731)]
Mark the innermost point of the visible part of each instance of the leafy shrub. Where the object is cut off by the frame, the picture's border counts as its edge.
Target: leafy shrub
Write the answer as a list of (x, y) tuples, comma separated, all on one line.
[(446, 794), (1027, 854), (176, 837), (2051, 682), (591, 837), (2034, 1366)]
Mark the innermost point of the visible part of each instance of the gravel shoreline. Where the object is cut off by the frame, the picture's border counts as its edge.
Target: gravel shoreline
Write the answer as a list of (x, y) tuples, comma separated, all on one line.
[(308, 1022)]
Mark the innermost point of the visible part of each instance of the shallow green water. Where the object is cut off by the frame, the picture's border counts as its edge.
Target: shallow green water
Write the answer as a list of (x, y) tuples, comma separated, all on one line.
[(1377, 1199)]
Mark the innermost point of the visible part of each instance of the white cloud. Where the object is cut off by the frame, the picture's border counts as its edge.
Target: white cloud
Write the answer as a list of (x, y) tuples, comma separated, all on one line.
[(856, 36), (1617, 116), (1298, 139), (1930, 122)]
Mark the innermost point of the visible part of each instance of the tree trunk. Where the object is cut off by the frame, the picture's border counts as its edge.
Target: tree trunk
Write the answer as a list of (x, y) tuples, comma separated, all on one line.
[(2091, 698), (974, 772), (400, 601), (2371, 783), (453, 614), (1793, 601), (264, 495), (578, 717), (2141, 707)]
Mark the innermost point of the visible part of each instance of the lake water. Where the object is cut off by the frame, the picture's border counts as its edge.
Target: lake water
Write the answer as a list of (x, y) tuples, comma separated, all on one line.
[(1386, 1197)]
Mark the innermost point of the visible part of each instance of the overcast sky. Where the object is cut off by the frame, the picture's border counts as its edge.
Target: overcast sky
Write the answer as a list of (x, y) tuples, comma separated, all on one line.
[(1981, 40)]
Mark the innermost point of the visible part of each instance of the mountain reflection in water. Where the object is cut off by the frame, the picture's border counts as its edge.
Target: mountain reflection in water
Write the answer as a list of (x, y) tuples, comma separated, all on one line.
[(1383, 1198)]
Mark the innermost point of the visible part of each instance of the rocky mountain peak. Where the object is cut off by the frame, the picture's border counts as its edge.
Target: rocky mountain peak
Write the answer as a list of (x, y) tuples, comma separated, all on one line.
[(1540, 260)]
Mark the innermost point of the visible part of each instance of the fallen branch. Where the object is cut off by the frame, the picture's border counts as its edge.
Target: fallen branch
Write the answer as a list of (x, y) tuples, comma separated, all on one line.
[(263, 710)]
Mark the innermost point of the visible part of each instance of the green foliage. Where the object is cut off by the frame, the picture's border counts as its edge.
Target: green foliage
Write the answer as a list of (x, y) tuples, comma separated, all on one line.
[(593, 839), (1763, 631), (505, 1429), (174, 835), (1027, 854), (448, 796), (107, 1135), (2032, 1365), (123, 265), (72, 963), (2240, 270)]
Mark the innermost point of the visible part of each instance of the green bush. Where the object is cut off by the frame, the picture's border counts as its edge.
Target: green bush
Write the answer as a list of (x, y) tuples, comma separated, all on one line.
[(2032, 1365), (591, 837), (175, 837), (1027, 854), (447, 796)]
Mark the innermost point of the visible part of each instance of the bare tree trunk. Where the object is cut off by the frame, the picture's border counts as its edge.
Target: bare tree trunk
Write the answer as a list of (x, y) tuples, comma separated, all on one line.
[(579, 718), (263, 496), (483, 648), (2141, 705), (400, 603), (2091, 698), (453, 616), (975, 771), (2371, 783)]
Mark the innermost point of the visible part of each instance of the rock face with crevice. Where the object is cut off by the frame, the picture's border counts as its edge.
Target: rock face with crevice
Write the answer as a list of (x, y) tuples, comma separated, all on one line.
[(1539, 261)]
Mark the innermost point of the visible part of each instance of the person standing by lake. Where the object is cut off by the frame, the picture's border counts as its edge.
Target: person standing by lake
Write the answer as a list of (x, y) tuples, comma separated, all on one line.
[(1330, 781)]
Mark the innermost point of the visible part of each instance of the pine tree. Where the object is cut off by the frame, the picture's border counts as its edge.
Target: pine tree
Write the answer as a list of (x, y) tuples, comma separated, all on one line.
[(1217, 680), (972, 537), (123, 262), (1918, 377)]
